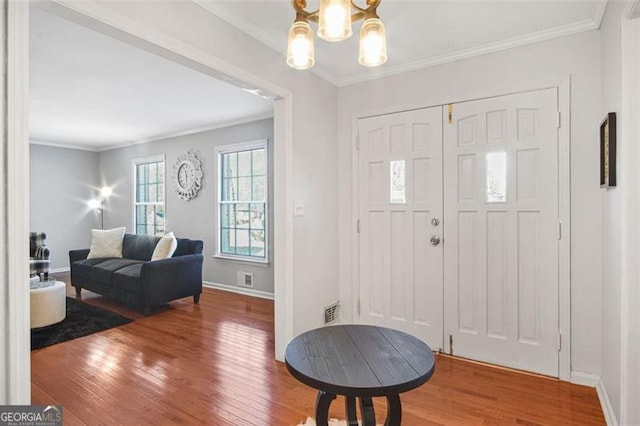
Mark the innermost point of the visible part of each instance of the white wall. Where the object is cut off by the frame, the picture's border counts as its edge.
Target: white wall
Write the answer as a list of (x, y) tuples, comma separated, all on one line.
[(611, 94), (620, 86), (314, 174), (61, 182), (196, 218), (630, 276), (577, 56)]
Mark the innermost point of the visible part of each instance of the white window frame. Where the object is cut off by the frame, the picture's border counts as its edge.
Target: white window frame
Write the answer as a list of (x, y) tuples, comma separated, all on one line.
[(134, 181), (235, 147)]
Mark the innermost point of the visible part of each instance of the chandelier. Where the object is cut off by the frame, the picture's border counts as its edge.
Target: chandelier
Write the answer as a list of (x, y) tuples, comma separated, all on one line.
[(334, 18)]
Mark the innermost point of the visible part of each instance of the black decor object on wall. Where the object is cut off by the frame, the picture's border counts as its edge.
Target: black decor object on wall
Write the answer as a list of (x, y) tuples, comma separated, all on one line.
[(608, 151)]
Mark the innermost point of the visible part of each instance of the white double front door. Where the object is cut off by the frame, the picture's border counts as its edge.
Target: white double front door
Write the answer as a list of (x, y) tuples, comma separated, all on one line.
[(458, 243)]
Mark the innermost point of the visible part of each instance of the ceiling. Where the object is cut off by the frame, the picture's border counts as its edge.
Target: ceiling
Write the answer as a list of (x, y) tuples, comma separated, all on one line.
[(419, 33), (93, 92)]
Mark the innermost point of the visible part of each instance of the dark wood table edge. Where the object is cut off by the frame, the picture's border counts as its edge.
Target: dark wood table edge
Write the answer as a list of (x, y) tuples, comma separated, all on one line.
[(356, 392)]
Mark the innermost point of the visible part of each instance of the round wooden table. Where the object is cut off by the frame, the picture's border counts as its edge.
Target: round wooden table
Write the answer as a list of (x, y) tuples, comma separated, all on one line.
[(359, 362)]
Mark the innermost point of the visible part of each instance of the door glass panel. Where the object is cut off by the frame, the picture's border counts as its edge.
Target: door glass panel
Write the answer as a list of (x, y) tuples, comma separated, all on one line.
[(398, 182), (496, 177)]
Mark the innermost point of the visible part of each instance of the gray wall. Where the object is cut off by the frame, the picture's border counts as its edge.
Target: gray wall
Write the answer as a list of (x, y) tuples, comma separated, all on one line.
[(61, 182), (196, 218)]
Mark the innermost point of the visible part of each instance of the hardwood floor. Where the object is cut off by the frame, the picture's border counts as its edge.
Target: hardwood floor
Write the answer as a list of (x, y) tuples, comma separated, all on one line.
[(213, 364)]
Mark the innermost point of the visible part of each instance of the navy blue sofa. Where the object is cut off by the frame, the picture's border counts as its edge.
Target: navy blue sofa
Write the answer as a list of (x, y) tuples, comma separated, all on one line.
[(137, 281)]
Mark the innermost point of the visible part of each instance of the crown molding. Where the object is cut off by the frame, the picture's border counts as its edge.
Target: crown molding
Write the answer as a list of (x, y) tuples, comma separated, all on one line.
[(156, 137), (601, 6), (63, 145), (256, 32), (545, 35), (633, 11), (191, 131)]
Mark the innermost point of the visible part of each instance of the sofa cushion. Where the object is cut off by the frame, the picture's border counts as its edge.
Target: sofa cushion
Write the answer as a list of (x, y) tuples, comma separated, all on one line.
[(139, 247), (103, 272), (128, 278), (187, 246), (165, 247), (83, 268), (106, 243)]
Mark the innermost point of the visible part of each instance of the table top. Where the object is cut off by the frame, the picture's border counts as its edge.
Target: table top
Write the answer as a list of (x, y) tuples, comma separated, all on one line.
[(42, 285), (359, 360)]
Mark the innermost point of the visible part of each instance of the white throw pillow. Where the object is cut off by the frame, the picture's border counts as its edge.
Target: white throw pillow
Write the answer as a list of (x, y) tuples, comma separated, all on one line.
[(165, 247), (106, 243)]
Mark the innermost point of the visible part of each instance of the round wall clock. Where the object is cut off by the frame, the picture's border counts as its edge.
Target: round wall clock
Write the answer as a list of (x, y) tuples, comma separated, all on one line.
[(187, 176)]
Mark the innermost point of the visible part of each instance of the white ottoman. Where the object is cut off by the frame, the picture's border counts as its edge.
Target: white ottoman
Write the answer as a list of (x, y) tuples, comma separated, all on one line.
[(48, 304)]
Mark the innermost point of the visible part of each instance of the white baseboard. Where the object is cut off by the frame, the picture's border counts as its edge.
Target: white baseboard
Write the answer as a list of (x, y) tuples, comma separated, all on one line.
[(585, 379), (594, 381), (605, 403), (239, 290), (59, 270)]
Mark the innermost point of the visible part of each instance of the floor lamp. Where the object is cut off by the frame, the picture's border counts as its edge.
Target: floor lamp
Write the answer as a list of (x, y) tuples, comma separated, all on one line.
[(98, 203)]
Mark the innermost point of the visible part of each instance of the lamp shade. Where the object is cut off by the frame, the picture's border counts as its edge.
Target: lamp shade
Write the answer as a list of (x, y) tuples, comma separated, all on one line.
[(300, 50), (373, 43), (334, 23), (106, 192), (94, 204)]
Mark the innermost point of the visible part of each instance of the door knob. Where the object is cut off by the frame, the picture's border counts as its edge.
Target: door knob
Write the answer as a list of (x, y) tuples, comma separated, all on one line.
[(435, 240)]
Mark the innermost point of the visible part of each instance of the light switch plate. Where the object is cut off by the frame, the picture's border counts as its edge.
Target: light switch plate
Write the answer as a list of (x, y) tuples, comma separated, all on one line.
[(298, 208)]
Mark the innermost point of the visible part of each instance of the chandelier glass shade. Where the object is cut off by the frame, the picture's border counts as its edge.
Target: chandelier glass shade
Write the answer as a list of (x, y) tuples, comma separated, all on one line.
[(334, 18), (373, 45), (334, 21), (300, 54)]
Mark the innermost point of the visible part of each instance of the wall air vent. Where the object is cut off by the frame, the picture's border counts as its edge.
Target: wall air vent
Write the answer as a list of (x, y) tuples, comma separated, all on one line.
[(245, 279), (331, 313)]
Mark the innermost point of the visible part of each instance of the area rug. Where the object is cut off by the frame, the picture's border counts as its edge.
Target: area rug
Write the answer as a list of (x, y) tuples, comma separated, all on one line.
[(82, 319)]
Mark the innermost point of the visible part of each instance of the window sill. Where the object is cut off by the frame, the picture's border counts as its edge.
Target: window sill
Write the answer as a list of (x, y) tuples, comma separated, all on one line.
[(256, 262)]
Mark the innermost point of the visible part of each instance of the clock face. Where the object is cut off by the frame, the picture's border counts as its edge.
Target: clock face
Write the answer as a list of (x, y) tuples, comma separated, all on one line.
[(184, 176), (187, 175)]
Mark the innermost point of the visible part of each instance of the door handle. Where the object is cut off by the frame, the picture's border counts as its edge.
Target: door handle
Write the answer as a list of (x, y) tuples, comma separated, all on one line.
[(435, 240)]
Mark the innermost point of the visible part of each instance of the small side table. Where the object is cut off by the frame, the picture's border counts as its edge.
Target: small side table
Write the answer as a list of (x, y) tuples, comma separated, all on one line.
[(48, 304), (359, 362)]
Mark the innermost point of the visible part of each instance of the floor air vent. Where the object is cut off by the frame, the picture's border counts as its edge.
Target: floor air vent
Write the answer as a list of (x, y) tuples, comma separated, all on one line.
[(331, 313)]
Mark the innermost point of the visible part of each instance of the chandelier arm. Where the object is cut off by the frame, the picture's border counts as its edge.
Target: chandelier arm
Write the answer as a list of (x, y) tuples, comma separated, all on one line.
[(358, 16), (362, 13), (355, 6), (301, 14)]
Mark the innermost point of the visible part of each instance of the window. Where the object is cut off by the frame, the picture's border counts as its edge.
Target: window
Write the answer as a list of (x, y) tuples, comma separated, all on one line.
[(149, 180), (242, 201), (397, 182), (496, 177)]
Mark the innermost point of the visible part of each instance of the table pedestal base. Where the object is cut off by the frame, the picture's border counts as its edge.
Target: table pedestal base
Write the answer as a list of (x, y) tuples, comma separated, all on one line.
[(394, 410)]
